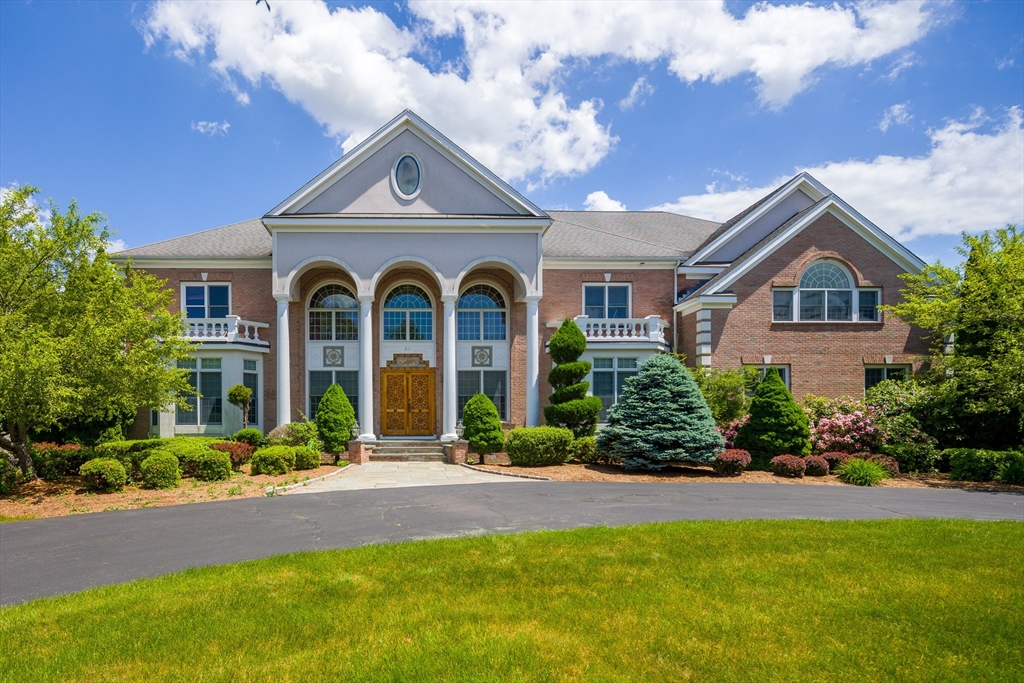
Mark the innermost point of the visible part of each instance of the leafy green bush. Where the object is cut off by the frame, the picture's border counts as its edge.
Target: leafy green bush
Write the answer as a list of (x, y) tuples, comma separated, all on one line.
[(52, 461), (306, 458), (103, 474), (239, 452), (725, 390), (1011, 469), (862, 472), (661, 417), (335, 418), (584, 449), (913, 457), (777, 425), (482, 425), (188, 451), (160, 470), (273, 460), (213, 466), (973, 464), (10, 475), (251, 436), (296, 434), (570, 406), (530, 446), (240, 396), (129, 453)]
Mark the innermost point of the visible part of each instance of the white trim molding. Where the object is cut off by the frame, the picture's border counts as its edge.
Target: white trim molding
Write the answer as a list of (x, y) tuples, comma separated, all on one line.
[(704, 302)]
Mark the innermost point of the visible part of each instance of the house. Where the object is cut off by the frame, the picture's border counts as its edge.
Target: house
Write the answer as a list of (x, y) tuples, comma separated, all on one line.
[(414, 277)]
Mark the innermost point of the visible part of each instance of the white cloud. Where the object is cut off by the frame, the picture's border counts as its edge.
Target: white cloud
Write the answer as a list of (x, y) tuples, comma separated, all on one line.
[(971, 179), (637, 94), (211, 128), (899, 66), (116, 245), (353, 69), (600, 201), (896, 115)]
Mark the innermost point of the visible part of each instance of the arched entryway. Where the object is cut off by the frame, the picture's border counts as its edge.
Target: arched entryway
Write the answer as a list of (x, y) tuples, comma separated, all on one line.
[(409, 376)]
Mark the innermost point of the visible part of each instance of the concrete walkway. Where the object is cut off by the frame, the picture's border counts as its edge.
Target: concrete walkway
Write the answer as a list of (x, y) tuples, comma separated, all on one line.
[(388, 475)]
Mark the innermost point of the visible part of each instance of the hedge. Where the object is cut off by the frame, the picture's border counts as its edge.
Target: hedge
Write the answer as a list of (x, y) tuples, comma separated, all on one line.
[(273, 460), (239, 452), (53, 461), (251, 436), (306, 458), (531, 446), (160, 470), (104, 474), (789, 465), (213, 466), (976, 464)]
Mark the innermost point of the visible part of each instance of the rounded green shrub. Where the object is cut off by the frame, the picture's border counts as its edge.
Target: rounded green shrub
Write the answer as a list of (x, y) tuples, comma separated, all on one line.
[(482, 425), (213, 466), (334, 421), (570, 406), (532, 446), (862, 472), (251, 436), (306, 458), (296, 434), (777, 425), (129, 453), (160, 470), (103, 474), (584, 449), (273, 460), (1011, 469), (973, 464), (188, 452), (661, 418)]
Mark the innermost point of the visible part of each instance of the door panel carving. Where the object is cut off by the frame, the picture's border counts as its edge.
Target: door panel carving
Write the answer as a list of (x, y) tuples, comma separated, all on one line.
[(407, 402)]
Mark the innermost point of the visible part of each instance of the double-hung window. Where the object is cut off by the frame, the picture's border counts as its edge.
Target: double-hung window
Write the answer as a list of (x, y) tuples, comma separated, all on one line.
[(606, 300), (206, 408), (321, 380), (877, 374), (204, 300), (610, 375), (491, 383), (826, 294)]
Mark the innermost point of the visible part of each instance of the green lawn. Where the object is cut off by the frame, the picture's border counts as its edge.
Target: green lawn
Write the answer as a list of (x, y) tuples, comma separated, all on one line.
[(889, 600), (18, 518)]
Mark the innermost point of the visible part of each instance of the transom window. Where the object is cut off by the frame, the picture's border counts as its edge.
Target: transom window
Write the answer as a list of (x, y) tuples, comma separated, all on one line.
[(606, 301), (481, 314), (207, 301), (826, 294), (610, 375), (333, 314), (408, 315), (878, 374)]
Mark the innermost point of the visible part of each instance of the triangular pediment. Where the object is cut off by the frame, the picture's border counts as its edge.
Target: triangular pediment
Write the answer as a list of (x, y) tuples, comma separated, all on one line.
[(362, 182)]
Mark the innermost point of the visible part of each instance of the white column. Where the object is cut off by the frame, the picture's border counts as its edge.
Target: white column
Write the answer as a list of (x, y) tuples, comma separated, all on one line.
[(532, 362), (284, 367), (366, 369), (450, 406)]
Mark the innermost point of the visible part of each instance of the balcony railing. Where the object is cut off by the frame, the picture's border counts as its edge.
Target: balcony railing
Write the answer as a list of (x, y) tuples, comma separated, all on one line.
[(649, 329), (229, 329)]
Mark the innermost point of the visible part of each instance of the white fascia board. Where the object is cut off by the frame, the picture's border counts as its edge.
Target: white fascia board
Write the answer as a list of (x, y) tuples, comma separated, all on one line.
[(705, 301), (803, 181), (559, 263), (400, 224), (407, 120), (699, 272), (153, 262)]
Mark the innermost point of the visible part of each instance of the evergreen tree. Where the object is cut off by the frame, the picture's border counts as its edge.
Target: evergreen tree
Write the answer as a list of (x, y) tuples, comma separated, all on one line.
[(570, 406), (661, 417), (777, 425), (482, 425), (334, 420)]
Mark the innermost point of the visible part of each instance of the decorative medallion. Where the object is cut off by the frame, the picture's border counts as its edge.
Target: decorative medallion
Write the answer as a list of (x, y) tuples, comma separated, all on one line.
[(334, 356), (483, 356)]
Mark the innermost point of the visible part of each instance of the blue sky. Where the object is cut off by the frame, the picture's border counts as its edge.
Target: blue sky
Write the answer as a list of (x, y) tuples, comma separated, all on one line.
[(176, 117)]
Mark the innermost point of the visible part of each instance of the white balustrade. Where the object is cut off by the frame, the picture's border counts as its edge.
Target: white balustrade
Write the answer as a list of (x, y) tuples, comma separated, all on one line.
[(649, 329), (229, 329)]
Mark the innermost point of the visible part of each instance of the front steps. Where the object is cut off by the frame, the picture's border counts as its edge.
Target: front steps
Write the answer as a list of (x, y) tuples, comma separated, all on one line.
[(408, 451)]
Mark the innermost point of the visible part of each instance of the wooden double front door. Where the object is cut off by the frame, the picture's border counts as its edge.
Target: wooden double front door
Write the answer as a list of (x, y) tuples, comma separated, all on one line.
[(407, 402)]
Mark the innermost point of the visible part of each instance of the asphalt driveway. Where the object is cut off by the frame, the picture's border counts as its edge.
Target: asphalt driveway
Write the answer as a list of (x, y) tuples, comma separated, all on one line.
[(61, 555)]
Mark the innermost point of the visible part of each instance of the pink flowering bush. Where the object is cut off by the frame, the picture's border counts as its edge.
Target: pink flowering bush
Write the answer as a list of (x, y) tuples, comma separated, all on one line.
[(733, 429), (847, 433)]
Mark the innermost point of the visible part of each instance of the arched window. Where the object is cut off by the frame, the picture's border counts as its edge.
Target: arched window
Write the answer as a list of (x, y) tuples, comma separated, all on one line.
[(408, 315), (333, 314), (482, 314), (826, 294)]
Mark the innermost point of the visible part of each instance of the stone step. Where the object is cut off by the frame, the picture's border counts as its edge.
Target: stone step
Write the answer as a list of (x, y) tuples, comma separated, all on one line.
[(408, 458)]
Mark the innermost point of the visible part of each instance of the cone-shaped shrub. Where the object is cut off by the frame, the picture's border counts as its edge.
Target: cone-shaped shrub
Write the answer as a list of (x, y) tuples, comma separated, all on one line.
[(777, 425), (334, 420), (482, 425), (570, 406), (661, 417)]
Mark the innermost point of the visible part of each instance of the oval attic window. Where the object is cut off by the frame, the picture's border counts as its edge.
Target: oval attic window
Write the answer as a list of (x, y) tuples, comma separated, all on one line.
[(407, 176)]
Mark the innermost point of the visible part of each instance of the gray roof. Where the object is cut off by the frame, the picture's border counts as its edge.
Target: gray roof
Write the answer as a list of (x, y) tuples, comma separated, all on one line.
[(244, 240), (573, 234), (624, 234)]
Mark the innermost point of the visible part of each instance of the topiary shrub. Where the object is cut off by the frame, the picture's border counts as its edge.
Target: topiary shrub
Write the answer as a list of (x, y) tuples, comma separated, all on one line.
[(788, 465), (661, 417), (251, 436), (1011, 469), (731, 462), (861, 472), (777, 425), (973, 464), (835, 459), (53, 461), (10, 475), (160, 470), (532, 446), (584, 449), (482, 425), (239, 452), (306, 458), (335, 418), (213, 466), (815, 466), (104, 474), (273, 460), (570, 406), (240, 396)]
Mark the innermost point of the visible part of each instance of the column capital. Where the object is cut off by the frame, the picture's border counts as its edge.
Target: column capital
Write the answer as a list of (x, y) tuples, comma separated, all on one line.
[(532, 298), (365, 298), (283, 298), (449, 298)]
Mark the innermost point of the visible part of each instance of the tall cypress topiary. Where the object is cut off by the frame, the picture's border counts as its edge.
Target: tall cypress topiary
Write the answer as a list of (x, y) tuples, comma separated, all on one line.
[(570, 406), (482, 425), (777, 425), (661, 417), (334, 420)]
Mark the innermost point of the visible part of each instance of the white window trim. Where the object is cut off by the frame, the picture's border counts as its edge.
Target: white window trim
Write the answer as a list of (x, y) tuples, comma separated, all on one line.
[(629, 297), (309, 402), (309, 300), (855, 305), (259, 388), (394, 175), (480, 375), (614, 370), (199, 396), (906, 367), (504, 309), (433, 314), (206, 286)]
